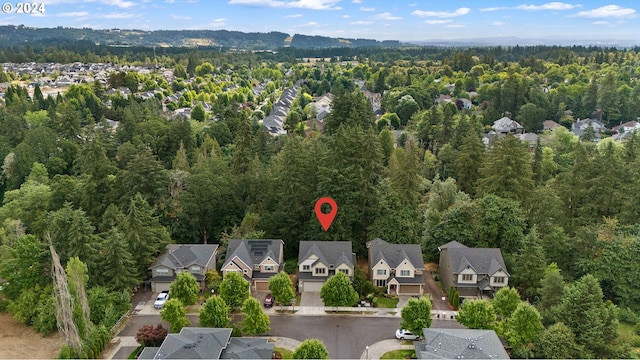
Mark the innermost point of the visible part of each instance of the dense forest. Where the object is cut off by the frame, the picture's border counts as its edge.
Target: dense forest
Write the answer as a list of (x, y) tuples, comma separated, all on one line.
[(563, 211)]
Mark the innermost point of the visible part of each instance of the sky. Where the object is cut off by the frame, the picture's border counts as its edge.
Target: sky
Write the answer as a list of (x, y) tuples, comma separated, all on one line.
[(412, 20)]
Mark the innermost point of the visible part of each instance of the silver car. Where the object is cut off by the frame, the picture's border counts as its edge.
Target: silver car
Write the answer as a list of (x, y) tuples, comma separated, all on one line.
[(403, 334), (161, 299)]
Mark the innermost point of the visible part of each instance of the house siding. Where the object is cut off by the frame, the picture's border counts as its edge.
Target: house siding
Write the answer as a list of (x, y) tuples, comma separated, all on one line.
[(446, 274)]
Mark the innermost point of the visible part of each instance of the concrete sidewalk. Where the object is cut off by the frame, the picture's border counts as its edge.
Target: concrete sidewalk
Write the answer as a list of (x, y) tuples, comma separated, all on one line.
[(382, 347)]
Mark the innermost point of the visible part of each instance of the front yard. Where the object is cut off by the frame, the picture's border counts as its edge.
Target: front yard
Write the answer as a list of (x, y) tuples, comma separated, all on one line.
[(385, 302)]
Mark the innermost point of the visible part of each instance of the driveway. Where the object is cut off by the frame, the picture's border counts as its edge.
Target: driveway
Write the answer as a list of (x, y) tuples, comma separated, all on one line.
[(436, 293), (311, 299)]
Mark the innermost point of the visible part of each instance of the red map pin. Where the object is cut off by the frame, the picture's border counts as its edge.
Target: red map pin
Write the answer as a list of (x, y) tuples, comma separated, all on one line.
[(326, 219)]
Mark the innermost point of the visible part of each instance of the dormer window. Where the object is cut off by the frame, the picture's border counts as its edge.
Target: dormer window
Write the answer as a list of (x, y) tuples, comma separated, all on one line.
[(467, 277)]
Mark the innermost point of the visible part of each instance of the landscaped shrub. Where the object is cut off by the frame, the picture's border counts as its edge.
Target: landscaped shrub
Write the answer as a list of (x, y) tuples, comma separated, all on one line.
[(148, 335), (291, 266)]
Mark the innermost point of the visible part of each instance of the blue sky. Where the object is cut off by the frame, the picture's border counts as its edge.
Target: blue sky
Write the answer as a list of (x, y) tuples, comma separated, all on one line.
[(372, 19)]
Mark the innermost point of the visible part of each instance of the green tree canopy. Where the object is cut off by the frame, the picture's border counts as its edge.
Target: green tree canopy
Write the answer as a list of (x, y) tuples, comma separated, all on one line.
[(281, 288), (477, 314), (175, 314), (215, 313), (311, 349), (185, 288), (234, 290), (255, 321), (337, 291), (506, 301), (416, 315)]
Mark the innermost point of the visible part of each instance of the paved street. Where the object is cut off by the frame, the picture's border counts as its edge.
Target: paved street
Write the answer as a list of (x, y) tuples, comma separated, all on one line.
[(345, 336)]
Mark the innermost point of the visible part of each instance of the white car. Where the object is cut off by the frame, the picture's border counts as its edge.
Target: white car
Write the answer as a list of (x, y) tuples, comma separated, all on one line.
[(403, 334), (161, 299)]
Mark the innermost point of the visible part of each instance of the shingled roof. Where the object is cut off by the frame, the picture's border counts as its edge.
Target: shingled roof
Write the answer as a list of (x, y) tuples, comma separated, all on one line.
[(481, 260), (329, 252), (395, 254), (460, 344), (253, 252), (182, 256)]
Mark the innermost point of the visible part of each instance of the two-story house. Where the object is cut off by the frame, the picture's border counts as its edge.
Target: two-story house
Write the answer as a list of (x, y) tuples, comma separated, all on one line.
[(505, 126), (257, 260), (319, 260), (474, 272), (196, 259), (398, 267)]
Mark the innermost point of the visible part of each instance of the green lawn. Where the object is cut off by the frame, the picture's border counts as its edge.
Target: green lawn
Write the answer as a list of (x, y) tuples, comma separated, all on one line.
[(285, 353), (383, 302), (399, 354)]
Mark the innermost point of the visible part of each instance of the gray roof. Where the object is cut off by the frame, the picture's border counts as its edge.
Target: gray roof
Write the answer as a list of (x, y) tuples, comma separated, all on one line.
[(506, 125), (451, 244), (194, 343), (481, 260), (395, 254), (460, 344), (209, 343), (185, 255), (253, 252), (248, 348), (329, 252)]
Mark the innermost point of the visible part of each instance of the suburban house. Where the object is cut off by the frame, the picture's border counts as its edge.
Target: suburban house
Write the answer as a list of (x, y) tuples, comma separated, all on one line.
[(505, 125), (257, 260), (459, 344), (474, 272), (580, 127), (196, 259), (209, 343), (627, 127), (319, 260), (398, 267), (549, 125)]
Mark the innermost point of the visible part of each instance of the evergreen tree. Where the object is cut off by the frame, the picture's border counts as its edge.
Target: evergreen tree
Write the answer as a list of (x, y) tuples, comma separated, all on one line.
[(349, 108), (468, 161), (117, 264)]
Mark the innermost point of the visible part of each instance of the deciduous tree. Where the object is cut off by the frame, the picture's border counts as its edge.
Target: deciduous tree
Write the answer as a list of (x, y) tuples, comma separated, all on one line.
[(337, 291), (416, 315), (234, 290), (175, 314), (311, 349), (215, 313), (185, 288), (477, 314), (255, 321), (281, 287)]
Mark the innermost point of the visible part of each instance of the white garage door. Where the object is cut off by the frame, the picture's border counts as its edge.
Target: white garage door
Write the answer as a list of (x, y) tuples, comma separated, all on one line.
[(312, 286)]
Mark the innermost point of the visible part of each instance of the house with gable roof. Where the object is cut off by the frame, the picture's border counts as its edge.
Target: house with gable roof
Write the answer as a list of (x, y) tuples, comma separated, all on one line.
[(459, 344), (196, 259), (398, 267), (258, 260), (319, 260), (505, 125), (474, 272), (209, 343)]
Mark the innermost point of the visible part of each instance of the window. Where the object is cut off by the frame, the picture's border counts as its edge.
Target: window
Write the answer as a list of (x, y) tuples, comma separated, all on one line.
[(306, 267), (321, 271), (195, 269), (381, 282), (245, 271), (161, 272), (269, 268), (344, 271), (405, 273), (467, 277), (498, 279), (381, 272)]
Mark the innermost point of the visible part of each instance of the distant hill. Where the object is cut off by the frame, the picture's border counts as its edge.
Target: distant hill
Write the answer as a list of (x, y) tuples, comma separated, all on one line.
[(11, 35)]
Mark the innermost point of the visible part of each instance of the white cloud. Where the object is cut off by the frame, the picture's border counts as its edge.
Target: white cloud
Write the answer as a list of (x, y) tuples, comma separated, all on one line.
[(455, 26), (346, 16), (442, 14), (293, 16), (548, 6), (362, 8), (600, 22), (219, 22), (117, 3), (413, 4), (299, 4), (357, 1), (180, 17), (497, 23), (608, 11), (362, 22), (495, 8), (118, 16), (438, 22), (386, 16), (74, 14)]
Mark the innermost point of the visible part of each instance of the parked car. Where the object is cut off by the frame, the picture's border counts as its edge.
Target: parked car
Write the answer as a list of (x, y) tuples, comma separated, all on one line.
[(403, 334), (161, 299), (268, 301)]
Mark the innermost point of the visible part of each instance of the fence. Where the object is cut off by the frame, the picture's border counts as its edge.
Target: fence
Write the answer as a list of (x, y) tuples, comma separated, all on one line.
[(119, 324)]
